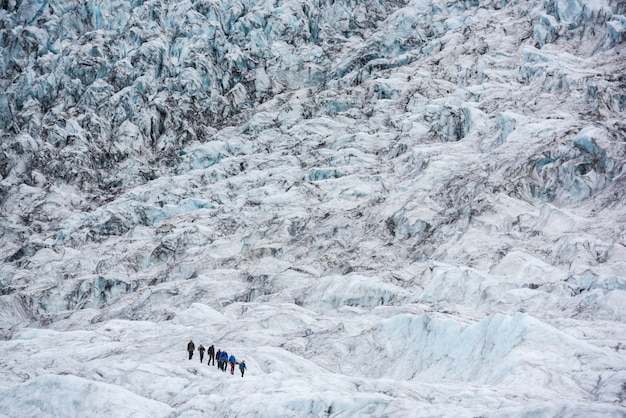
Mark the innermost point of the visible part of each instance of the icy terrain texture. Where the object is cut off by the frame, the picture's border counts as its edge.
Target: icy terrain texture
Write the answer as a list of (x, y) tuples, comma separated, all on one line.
[(386, 208)]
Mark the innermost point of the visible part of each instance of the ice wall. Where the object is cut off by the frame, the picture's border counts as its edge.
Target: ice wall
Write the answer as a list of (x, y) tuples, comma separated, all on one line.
[(418, 204)]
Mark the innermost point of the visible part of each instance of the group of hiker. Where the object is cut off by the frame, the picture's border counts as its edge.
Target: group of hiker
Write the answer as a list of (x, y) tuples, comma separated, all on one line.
[(222, 357)]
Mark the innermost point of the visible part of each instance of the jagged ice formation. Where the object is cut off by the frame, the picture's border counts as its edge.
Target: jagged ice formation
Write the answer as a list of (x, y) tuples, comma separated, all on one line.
[(402, 208)]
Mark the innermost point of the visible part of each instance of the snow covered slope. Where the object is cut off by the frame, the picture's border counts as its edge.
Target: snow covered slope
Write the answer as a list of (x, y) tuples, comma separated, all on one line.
[(402, 208)]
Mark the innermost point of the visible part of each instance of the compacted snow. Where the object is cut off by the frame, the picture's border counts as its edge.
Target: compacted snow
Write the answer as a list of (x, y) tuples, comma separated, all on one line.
[(392, 209)]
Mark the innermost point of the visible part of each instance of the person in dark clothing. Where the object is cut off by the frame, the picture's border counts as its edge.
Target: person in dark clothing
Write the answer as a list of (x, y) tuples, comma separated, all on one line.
[(217, 357), (211, 355), (201, 350), (242, 367), (190, 348)]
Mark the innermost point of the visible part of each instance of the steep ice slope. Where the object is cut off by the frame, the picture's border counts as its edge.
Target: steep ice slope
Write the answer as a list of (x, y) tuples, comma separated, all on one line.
[(385, 208)]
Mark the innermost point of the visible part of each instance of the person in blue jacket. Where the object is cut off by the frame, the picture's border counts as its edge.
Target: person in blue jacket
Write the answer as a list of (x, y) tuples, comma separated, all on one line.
[(224, 359), (242, 367), (232, 362)]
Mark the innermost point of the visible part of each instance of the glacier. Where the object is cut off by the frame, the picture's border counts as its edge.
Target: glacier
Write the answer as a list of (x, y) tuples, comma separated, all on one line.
[(405, 208)]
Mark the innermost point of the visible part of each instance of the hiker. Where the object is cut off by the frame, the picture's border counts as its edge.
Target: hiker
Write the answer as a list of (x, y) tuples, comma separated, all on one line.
[(201, 350), (232, 362), (242, 367), (224, 359), (190, 347), (217, 357), (211, 353)]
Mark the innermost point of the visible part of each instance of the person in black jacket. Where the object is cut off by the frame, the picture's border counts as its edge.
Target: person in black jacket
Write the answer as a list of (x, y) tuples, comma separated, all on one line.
[(201, 350), (190, 347), (211, 353)]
